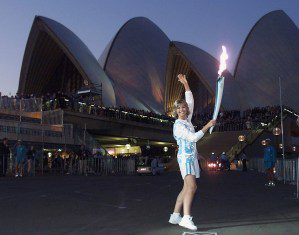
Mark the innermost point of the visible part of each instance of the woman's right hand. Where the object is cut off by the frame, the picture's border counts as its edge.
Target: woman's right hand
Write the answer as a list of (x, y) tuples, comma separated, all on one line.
[(208, 125), (211, 123)]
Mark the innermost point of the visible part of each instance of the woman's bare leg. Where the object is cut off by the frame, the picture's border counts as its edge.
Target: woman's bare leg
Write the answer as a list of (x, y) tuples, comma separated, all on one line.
[(179, 201), (190, 184)]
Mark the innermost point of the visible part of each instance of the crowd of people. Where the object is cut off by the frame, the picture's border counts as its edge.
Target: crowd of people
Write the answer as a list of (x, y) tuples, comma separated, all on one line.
[(230, 120), (234, 120), (21, 159)]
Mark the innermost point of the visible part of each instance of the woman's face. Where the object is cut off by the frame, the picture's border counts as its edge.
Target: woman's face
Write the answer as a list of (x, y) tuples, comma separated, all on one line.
[(182, 110)]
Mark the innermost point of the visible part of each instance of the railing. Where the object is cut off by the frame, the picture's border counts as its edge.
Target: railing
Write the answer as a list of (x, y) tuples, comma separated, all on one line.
[(44, 165), (256, 131), (291, 168), (52, 117), (81, 136), (20, 104), (36, 132)]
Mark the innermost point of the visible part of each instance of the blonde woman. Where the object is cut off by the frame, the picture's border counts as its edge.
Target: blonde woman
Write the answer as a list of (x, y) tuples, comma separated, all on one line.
[(186, 137)]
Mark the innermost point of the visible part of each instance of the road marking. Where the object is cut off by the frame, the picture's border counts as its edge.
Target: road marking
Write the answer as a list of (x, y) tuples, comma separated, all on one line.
[(202, 233)]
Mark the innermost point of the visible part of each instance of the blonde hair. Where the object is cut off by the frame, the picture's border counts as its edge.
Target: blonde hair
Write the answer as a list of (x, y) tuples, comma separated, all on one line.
[(177, 104)]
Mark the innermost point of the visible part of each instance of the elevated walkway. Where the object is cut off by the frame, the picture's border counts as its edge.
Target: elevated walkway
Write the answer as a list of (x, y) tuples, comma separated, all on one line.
[(218, 142)]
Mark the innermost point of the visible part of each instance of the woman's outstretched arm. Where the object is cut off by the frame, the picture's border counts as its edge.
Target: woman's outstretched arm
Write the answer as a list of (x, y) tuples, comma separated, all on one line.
[(180, 131), (188, 95)]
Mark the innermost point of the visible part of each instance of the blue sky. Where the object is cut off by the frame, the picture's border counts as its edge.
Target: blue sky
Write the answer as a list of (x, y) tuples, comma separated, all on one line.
[(206, 24)]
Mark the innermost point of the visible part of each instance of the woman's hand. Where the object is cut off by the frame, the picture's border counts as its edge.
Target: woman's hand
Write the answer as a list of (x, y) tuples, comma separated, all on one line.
[(182, 79), (211, 123), (208, 125)]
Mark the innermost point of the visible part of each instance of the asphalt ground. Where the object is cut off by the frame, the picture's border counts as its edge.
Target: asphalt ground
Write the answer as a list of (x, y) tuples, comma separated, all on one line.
[(226, 203)]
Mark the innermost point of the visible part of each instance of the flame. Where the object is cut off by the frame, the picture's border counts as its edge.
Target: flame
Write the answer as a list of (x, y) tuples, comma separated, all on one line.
[(223, 58)]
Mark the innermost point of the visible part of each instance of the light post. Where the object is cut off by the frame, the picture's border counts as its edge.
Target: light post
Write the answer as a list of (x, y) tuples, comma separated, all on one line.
[(128, 146), (276, 132), (241, 138), (294, 149), (282, 135)]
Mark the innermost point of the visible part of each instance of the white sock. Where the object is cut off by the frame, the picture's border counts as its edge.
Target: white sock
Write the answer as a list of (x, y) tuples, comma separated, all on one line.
[(175, 213)]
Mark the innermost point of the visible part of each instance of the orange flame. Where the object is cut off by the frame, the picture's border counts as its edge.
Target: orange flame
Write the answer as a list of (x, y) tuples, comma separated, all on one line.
[(223, 58)]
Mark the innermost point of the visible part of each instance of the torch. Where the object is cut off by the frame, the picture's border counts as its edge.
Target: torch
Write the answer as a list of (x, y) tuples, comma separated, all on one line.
[(220, 85)]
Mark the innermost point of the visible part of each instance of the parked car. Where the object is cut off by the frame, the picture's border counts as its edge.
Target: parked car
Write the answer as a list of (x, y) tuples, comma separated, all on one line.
[(150, 166)]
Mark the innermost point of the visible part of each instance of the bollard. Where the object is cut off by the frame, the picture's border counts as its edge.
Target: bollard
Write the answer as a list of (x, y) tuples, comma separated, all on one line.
[(297, 178)]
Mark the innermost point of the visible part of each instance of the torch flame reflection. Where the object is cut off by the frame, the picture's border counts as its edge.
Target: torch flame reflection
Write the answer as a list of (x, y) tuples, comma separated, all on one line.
[(223, 59)]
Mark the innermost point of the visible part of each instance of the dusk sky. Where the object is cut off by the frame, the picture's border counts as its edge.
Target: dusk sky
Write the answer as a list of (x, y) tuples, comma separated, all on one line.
[(205, 24)]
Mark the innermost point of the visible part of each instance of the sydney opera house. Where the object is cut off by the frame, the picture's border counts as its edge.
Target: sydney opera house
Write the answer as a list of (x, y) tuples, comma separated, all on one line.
[(138, 67)]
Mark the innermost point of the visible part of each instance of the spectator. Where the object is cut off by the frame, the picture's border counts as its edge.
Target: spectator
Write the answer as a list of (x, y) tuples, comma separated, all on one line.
[(20, 158), (244, 161), (224, 161), (154, 165), (30, 159), (213, 157), (269, 162), (4, 155), (83, 155)]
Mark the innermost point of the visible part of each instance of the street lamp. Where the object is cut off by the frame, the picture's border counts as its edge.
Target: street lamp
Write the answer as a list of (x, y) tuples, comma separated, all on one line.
[(241, 138), (276, 131), (128, 146), (280, 146)]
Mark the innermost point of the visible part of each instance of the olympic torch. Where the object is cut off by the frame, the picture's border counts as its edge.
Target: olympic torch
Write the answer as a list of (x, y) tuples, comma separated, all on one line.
[(220, 85)]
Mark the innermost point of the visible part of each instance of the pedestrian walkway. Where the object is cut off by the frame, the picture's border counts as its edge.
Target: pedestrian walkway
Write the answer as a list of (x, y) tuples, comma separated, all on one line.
[(226, 203)]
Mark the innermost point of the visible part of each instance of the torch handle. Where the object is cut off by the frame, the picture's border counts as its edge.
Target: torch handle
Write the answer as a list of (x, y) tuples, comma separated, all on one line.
[(219, 93)]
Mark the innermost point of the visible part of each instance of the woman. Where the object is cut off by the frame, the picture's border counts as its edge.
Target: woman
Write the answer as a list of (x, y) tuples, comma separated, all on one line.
[(186, 138)]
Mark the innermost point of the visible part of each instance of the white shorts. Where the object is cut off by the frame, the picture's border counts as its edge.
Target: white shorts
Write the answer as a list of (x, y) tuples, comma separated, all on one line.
[(189, 166)]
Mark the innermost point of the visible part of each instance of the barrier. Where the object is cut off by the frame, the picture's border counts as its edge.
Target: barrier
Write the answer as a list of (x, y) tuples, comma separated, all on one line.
[(291, 168), (72, 166)]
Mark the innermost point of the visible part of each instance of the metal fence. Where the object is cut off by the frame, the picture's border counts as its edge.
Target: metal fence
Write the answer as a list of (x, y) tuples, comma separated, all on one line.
[(291, 168), (44, 165), (20, 104)]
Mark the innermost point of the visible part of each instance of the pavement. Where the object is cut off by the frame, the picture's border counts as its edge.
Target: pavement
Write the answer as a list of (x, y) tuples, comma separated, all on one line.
[(226, 203)]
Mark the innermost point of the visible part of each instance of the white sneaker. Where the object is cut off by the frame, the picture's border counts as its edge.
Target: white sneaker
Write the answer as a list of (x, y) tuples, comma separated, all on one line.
[(188, 223), (175, 218), (16, 175)]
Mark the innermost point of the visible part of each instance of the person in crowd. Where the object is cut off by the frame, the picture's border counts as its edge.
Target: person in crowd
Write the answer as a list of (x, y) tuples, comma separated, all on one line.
[(224, 161), (31, 154), (83, 156), (20, 153), (4, 155), (269, 162), (186, 138), (213, 157), (154, 166), (244, 161)]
